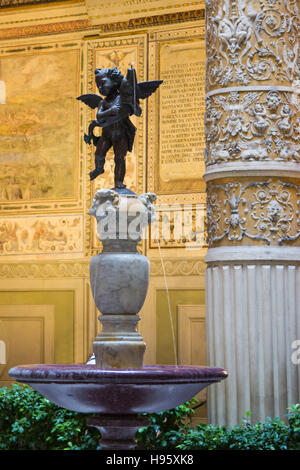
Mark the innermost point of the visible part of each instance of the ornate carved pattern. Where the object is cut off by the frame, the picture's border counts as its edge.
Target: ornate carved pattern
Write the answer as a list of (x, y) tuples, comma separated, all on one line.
[(172, 34), (80, 269), (178, 267), (176, 17), (256, 125), (44, 270), (266, 211), (189, 198), (252, 41)]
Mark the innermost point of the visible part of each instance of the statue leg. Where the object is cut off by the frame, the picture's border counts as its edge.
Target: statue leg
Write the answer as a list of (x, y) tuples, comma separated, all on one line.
[(120, 149), (103, 145)]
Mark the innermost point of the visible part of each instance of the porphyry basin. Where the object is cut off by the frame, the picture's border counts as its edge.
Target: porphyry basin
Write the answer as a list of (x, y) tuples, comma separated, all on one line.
[(117, 395)]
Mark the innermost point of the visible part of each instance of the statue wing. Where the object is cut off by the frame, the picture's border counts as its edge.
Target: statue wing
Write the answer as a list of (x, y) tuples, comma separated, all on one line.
[(145, 89), (131, 91), (91, 99)]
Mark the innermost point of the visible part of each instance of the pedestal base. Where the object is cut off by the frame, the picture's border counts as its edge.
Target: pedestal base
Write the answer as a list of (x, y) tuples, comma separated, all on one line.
[(118, 432), (119, 345)]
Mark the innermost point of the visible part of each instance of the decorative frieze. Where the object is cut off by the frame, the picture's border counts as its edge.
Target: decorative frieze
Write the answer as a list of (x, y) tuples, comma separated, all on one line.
[(42, 270), (17, 3), (177, 267), (252, 126), (264, 212), (80, 269), (87, 28)]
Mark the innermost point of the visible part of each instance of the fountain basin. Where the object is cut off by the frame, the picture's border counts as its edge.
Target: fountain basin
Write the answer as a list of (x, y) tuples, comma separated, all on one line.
[(88, 389)]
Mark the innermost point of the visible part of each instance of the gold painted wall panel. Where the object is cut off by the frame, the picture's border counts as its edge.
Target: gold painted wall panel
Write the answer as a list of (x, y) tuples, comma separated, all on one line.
[(243, 211), (43, 225), (35, 324), (176, 136), (63, 305), (165, 347), (39, 126)]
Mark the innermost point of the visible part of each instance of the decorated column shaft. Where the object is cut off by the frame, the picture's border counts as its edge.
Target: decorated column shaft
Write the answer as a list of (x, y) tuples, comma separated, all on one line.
[(252, 126)]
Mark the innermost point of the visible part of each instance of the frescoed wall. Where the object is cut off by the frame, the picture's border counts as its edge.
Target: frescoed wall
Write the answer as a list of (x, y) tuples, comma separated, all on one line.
[(48, 53)]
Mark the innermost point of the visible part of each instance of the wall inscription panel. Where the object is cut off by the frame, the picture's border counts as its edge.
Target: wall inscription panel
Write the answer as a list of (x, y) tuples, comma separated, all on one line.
[(176, 133), (181, 132)]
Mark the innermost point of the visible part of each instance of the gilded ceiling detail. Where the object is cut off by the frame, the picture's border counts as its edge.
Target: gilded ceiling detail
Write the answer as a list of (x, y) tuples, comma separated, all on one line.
[(19, 3)]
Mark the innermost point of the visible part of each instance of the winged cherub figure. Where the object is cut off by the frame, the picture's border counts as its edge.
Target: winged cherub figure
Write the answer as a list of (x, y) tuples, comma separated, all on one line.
[(121, 100)]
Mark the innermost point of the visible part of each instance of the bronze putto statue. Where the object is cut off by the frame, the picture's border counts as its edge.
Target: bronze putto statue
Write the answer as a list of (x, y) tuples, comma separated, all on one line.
[(121, 100)]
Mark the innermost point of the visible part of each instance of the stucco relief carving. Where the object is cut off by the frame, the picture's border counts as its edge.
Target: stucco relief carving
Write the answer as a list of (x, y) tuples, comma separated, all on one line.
[(252, 126), (41, 235), (249, 40), (266, 211), (178, 267)]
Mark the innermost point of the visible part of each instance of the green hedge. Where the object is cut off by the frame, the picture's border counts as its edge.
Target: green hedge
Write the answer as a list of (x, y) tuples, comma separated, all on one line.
[(29, 421), (169, 430)]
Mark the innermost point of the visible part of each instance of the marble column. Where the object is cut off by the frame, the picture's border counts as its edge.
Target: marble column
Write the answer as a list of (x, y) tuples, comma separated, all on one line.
[(252, 126)]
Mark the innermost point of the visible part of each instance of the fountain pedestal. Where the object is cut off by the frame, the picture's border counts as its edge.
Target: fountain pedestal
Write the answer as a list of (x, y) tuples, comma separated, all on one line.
[(119, 345), (118, 430), (120, 276)]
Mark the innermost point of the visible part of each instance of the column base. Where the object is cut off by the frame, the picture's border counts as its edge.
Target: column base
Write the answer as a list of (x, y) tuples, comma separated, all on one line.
[(253, 307)]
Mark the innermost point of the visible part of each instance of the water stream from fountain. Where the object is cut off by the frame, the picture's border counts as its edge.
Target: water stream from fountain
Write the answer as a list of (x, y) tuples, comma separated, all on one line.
[(168, 299), (169, 302)]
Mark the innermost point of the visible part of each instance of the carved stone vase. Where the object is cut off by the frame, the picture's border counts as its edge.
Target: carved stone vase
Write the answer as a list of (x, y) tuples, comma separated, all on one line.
[(120, 276)]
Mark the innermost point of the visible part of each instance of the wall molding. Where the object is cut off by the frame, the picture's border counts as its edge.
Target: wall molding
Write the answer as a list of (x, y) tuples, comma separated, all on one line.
[(80, 269), (85, 25), (177, 267), (44, 270)]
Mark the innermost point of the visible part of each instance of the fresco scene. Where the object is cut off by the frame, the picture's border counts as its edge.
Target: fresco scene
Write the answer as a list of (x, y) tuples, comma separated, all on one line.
[(38, 125)]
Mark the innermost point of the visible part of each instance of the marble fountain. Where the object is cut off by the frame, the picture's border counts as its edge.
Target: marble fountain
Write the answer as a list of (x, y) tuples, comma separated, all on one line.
[(118, 387)]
